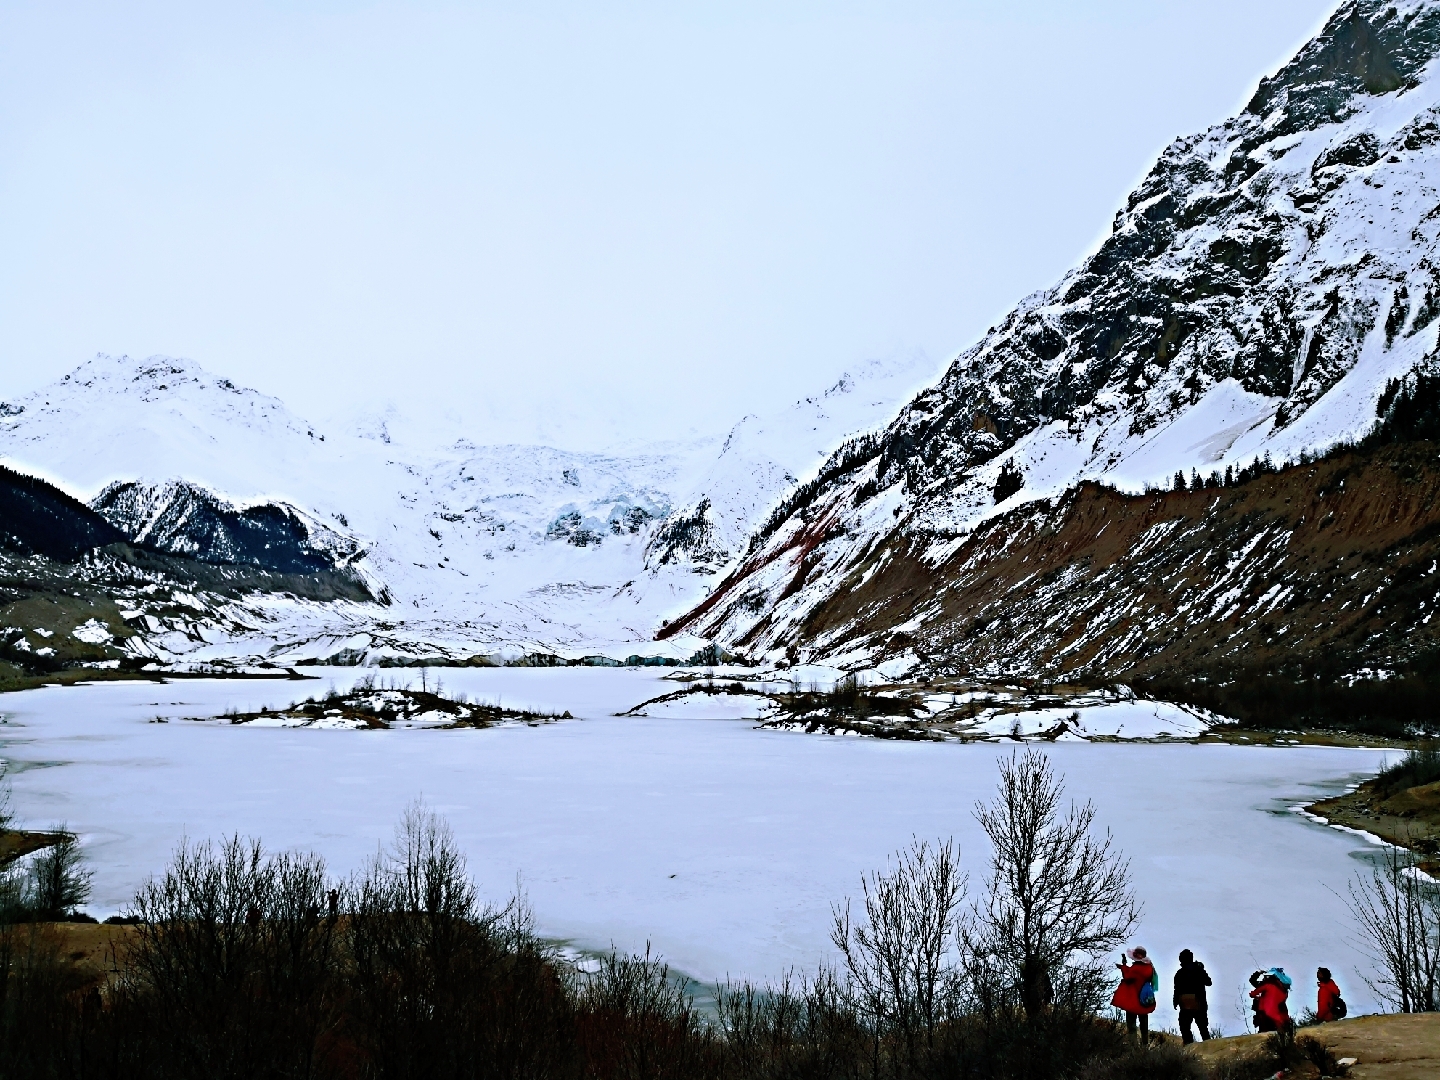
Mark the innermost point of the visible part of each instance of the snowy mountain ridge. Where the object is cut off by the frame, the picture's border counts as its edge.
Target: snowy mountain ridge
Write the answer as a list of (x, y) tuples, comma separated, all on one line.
[(182, 518), (469, 550)]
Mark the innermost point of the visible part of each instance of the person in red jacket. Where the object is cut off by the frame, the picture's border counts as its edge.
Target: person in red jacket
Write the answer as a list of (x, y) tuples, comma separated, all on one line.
[(1268, 999), (1135, 996), (1329, 1004)]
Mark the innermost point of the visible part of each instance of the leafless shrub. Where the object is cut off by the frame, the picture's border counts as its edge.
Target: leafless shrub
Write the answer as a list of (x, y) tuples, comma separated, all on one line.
[(59, 881), (1307, 1048), (439, 984), (231, 963), (12, 885), (1398, 912), (635, 1021), (39, 1033), (1163, 1061), (900, 959), (805, 1027)]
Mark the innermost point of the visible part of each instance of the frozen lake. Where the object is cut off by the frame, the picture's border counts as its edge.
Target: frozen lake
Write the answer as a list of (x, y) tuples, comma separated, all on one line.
[(722, 845)]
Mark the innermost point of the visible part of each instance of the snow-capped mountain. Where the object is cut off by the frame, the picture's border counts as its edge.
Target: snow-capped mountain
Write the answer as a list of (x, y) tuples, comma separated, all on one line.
[(1260, 290), (467, 550)]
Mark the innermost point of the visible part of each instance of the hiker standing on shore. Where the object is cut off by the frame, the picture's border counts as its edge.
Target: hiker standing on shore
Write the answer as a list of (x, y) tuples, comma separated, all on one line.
[(1272, 988), (1190, 983), (1135, 995), (1329, 1005)]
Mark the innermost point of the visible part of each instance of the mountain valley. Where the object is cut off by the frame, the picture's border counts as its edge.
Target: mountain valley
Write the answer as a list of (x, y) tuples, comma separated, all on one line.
[(1207, 456)]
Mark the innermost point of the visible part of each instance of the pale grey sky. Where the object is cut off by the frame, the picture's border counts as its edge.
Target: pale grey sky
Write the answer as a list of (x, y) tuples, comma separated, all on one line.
[(577, 221)]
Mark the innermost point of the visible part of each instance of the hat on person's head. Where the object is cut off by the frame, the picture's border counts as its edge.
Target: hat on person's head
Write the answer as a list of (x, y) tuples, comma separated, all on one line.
[(1280, 976), (1137, 953)]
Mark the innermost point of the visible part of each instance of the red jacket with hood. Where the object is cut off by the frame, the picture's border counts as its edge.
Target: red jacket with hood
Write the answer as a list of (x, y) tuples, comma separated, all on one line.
[(1325, 1005), (1132, 978), (1270, 999)]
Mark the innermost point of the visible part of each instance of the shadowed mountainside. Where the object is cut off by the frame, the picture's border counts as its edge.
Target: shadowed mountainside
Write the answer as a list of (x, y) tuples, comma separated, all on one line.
[(1320, 570)]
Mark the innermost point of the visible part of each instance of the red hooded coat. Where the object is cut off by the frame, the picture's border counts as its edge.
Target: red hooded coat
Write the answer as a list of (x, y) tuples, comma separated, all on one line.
[(1270, 999), (1325, 1005), (1132, 978)]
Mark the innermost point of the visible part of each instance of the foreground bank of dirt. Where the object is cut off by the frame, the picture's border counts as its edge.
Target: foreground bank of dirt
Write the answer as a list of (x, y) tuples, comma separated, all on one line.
[(89, 951), (1387, 1047)]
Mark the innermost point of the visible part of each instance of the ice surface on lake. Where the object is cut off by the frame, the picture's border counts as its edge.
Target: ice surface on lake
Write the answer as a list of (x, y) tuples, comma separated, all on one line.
[(721, 844)]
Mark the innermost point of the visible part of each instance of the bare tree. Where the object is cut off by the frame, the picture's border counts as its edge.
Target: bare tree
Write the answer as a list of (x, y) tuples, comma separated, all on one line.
[(7, 810), (900, 958), (1398, 911), (424, 953), (59, 880), (426, 870), (1057, 895)]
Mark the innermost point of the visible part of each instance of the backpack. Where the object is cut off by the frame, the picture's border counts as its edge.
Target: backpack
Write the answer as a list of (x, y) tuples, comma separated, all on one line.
[(1339, 1008), (1147, 995)]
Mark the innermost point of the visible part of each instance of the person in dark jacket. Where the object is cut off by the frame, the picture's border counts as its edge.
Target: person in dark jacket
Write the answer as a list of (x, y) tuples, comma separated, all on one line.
[(1190, 983)]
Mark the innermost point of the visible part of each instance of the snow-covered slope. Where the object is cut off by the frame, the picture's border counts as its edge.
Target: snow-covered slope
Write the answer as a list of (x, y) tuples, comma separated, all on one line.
[(765, 457), (1259, 291), (471, 550)]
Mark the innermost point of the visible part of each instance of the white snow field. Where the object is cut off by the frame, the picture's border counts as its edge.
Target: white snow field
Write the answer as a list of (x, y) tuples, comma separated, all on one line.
[(482, 548), (722, 845)]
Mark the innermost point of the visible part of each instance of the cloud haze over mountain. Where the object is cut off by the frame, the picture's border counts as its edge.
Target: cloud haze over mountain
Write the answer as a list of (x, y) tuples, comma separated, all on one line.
[(540, 219)]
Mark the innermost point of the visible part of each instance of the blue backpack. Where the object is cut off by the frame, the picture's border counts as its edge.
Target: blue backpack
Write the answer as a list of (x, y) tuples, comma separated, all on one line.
[(1147, 993)]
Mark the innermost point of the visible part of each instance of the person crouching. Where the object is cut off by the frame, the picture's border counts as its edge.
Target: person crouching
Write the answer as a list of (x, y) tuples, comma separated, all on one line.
[(1268, 999)]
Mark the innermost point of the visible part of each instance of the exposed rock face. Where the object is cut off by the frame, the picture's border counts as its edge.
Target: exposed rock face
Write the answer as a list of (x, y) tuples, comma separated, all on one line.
[(180, 518), (1258, 291), (1255, 251), (689, 536)]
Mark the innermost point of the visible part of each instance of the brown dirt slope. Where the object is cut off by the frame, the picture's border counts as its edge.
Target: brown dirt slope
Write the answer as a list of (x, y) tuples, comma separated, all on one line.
[(1409, 817), (17, 842), (1333, 562), (1393, 1047)]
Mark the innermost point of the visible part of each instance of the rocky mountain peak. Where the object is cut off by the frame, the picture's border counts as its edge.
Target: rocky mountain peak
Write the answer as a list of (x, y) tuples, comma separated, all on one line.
[(165, 380), (1262, 251), (1370, 47), (1260, 288)]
